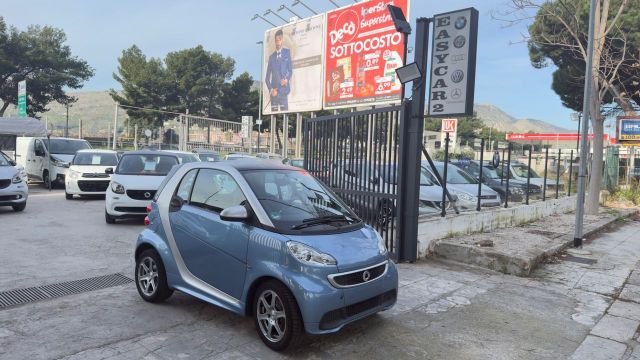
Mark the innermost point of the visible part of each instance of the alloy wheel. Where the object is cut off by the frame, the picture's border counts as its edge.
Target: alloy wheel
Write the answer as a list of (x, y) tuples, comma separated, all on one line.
[(148, 276), (271, 316)]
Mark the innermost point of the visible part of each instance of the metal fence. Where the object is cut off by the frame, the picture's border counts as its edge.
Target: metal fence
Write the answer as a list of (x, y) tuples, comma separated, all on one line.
[(356, 154)]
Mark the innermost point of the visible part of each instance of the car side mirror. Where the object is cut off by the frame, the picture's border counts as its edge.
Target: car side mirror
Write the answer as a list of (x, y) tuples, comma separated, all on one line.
[(12, 162), (175, 203), (234, 213), (108, 171)]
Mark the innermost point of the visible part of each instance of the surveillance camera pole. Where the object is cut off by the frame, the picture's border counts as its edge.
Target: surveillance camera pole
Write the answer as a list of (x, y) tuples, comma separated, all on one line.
[(411, 129)]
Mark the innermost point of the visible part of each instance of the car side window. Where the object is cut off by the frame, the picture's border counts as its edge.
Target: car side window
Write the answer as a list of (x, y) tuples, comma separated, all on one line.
[(215, 190), (184, 189), (38, 148)]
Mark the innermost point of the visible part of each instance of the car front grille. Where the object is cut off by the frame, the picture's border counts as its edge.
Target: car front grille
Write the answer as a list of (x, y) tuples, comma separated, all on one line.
[(141, 194), (358, 277), (95, 175), (5, 183), (333, 318), (93, 185), (131, 209), (10, 197)]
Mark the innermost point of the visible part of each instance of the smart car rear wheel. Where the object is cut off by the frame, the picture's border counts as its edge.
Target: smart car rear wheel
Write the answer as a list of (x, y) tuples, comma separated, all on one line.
[(151, 278), (277, 317)]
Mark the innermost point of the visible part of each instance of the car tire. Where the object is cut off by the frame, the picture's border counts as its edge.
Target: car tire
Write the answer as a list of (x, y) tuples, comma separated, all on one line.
[(108, 218), (68, 196), (46, 179), (18, 208), (275, 307), (151, 277)]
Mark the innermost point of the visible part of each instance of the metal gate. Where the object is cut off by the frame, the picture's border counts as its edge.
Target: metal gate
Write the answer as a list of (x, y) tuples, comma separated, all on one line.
[(356, 154)]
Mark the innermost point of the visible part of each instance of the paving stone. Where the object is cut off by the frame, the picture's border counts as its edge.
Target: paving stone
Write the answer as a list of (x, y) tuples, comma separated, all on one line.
[(616, 328), (600, 283), (597, 348), (634, 279), (631, 293), (626, 309)]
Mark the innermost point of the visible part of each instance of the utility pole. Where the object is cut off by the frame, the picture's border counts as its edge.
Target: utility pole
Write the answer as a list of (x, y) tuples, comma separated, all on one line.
[(66, 127), (586, 113)]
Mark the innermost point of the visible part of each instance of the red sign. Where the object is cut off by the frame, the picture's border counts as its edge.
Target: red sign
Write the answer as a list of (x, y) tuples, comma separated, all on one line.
[(363, 50), (449, 125), (549, 137)]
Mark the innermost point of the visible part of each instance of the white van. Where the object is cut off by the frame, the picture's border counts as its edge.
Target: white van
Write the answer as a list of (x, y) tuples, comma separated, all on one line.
[(33, 152)]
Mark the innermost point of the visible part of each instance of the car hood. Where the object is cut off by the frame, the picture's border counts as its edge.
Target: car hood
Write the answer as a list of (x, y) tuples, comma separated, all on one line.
[(352, 250), (431, 193), (471, 189), (90, 169), (7, 172), (138, 182)]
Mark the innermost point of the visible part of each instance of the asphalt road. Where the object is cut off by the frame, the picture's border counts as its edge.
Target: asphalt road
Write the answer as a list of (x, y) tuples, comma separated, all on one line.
[(444, 310)]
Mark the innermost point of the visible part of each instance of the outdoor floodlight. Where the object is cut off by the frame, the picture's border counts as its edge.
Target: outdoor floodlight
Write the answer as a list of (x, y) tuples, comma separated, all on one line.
[(408, 73), (399, 20)]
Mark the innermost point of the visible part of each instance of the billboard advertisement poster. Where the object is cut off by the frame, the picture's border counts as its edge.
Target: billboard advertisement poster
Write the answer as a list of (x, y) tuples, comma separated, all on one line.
[(362, 52), (292, 67), (453, 63), (629, 130)]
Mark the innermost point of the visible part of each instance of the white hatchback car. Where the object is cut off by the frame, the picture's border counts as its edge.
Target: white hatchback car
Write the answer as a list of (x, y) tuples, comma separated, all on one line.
[(13, 186), (135, 182), (87, 174)]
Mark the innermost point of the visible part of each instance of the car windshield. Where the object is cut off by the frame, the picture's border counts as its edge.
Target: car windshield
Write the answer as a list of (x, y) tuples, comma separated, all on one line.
[(521, 171), (490, 172), (389, 175), (187, 158), (293, 197), (66, 146), (97, 159), (456, 176), (146, 164), (4, 161)]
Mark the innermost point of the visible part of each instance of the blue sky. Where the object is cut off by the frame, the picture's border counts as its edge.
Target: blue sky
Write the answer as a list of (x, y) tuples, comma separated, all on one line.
[(98, 31)]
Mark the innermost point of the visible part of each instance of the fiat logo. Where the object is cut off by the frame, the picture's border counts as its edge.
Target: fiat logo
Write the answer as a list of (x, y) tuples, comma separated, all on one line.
[(366, 275), (147, 195)]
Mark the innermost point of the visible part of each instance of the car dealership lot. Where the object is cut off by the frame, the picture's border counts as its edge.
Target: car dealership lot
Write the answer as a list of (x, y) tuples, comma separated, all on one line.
[(443, 310)]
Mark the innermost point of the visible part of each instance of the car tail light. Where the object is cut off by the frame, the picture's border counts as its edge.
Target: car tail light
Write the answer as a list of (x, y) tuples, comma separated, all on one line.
[(147, 221), (149, 208)]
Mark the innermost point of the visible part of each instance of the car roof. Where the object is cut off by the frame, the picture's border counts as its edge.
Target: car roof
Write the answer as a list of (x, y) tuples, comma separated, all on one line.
[(247, 164), (97, 150), (148, 152), (199, 150), (178, 152)]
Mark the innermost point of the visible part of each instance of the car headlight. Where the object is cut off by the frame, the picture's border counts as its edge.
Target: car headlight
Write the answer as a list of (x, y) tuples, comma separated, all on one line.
[(309, 255), (382, 247), (465, 196), (16, 179), (117, 188), (73, 174), (59, 163)]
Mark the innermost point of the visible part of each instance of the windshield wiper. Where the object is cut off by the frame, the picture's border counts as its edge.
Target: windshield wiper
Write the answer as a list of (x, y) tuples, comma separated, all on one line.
[(323, 220)]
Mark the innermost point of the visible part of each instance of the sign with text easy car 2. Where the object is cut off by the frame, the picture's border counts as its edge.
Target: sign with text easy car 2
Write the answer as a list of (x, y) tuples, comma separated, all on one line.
[(453, 63), (363, 50)]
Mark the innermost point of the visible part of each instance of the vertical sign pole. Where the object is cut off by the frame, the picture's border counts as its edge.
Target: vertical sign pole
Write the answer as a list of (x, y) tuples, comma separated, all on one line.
[(115, 125)]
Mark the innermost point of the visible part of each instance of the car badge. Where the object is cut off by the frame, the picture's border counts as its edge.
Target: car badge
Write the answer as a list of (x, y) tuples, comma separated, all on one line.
[(147, 195), (366, 276)]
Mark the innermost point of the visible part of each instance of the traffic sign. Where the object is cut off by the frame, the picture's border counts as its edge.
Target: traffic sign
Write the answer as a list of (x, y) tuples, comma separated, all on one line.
[(22, 98)]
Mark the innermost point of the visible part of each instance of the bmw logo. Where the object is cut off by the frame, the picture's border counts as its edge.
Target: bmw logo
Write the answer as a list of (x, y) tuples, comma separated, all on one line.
[(457, 76), (366, 276), (147, 195), (461, 22), (459, 41)]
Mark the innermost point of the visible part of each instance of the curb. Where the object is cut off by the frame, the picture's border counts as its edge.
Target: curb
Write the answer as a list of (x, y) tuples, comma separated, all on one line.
[(518, 266)]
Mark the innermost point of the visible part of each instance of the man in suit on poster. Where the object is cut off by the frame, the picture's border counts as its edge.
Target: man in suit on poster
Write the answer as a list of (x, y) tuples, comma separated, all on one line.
[(279, 75)]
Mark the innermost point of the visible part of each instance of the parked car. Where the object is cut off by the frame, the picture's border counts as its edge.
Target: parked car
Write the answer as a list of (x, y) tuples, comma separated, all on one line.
[(20, 168), (382, 179), (135, 182), (518, 171), (87, 173), (265, 240), (270, 156), (465, 187), (207, 155), (297, 162), (35, 153), (236, 156), (13, 187), (490, 177), (184, 156)]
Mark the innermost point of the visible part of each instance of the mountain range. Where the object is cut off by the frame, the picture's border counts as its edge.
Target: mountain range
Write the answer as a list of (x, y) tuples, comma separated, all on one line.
[(96, 109)]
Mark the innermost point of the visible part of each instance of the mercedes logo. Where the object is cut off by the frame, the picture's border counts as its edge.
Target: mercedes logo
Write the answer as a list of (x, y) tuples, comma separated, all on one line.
[(456, 94), (147, 195), (457, 76), (366, 275)]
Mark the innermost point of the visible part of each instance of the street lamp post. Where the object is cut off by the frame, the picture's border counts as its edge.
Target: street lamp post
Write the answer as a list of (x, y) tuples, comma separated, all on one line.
[(261, 43)]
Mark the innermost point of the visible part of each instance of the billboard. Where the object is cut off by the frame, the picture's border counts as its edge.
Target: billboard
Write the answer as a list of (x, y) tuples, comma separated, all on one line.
[(362, 52), (292, 67), (628, 130), (453, 63)]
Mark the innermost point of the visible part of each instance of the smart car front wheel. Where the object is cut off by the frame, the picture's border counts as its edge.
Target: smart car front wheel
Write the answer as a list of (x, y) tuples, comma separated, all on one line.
[(151, 278), (277, 317)]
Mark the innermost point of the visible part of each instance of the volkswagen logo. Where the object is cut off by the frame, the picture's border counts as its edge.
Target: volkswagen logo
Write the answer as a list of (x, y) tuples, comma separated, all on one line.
[(366, 275), (457, 76), (147, 195)]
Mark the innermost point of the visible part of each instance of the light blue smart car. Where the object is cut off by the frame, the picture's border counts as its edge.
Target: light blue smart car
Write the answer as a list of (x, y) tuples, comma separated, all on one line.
[(265, 240)]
